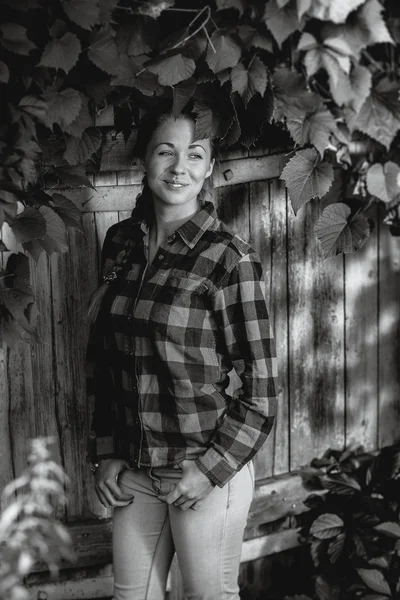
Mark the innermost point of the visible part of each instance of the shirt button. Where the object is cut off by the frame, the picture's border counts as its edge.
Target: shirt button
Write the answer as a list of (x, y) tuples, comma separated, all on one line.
[(161, 256), (172, 238)]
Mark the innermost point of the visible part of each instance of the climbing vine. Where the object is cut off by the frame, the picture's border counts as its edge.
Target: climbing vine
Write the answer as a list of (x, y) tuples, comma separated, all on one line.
[(322, 77)]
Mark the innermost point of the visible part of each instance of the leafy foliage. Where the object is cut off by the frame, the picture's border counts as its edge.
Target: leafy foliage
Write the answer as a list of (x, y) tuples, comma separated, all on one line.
[(354, 526), (29, 533), (324, 73)]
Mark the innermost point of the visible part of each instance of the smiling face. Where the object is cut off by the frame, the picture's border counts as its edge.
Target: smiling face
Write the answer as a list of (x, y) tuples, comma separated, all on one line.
[(177, 165)]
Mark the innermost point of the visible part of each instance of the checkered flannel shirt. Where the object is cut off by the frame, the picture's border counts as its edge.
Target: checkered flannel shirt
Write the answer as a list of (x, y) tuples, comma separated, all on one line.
[(165, 340)]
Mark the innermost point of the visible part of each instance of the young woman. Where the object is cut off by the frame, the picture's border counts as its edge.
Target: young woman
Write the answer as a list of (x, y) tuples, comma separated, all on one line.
[(182, 303)]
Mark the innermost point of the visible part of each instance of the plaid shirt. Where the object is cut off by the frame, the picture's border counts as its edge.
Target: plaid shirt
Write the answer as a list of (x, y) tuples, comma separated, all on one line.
[(164, 342)]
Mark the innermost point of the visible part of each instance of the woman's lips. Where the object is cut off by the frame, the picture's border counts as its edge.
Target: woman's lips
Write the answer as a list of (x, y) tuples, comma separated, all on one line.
[(175, 185)]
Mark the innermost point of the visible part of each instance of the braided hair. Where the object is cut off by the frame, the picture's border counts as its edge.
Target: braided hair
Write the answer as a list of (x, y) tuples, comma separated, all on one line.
[(144, 202)]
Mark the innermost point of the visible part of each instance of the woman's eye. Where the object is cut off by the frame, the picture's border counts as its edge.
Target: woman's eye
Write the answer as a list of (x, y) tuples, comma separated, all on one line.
[(195, 156), (165, 153)]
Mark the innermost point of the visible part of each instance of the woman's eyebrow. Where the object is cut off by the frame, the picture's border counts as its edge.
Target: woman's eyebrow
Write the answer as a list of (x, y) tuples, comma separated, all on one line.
[(173, 146)]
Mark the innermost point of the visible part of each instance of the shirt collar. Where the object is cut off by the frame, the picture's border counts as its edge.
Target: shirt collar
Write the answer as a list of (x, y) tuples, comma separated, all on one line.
[(192, 230)]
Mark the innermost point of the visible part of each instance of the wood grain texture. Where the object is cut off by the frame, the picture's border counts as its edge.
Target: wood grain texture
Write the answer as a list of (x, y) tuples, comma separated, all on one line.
[(389, 338), (361, 306), (316, 342), (268, 237)]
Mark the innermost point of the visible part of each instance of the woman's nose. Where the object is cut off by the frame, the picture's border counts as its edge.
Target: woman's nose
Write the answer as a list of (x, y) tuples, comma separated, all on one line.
[(178, 166)]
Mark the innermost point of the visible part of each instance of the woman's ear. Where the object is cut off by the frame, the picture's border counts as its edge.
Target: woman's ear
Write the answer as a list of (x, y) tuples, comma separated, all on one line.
[(211, 167)]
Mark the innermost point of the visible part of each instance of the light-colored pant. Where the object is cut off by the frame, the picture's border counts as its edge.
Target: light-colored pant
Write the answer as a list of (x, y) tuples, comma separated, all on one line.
[(207, 541)]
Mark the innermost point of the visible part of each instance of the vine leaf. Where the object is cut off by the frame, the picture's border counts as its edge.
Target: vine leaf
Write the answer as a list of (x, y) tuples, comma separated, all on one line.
[(335, 10), (13, 37), (67, 211), (281, 22), (72, 176), (106, 8), (34, 107), (8, 206), (61, 54), (136, 36), (354, 89), (370, 19), (226, 52), (333, 55), (313, 128), (103, 51), (182, 92), (173, 69), (30, 224), (80, 149), (292, 98), (326, 526), (248, 82), (82, 121), (54, 239), (389, 528), (339, 233), (325, 590), (238, 4), (375, 581), (306, 177), (84, 13), (63, 107), (154, 8), (335, 547), (303, 6), (4, 72), (379, 116), (130, 73), (383, 181)]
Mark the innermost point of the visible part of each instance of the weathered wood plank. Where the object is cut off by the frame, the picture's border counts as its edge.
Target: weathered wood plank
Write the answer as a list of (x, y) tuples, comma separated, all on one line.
[(361, 306), (72, 283), (105, 178), (389, 338), (268, 238), (103, 222), (316, 342), (116, 154)]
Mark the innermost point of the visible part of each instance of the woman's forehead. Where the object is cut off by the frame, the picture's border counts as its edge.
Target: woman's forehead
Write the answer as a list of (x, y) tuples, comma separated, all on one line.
[(179, 130)]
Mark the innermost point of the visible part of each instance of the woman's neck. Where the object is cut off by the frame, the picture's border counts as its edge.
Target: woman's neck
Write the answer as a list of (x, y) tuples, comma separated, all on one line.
[(167, 219)]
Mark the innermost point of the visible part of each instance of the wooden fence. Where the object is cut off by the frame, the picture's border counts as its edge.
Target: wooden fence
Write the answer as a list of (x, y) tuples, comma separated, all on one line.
[(336, 324)]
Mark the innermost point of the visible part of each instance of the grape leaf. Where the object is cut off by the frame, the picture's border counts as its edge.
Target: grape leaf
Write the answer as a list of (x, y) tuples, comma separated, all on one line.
[(106, 8), (282, 22), (68, 211), (80, 149), (29, 225), (313, 128), (214, 111), (224, 52), (292, 98), (303, 6), (306, 177), (27, 168), (72, 176), (182, 93), (352, 90), (383, 181), (55, 239), (389, 528), (237, 4), (82, 121), (336, 547), (379, 116), (370, 19), (8, 206), (34, 107), (4, 72), (173, 69), (334, 10), (63, 107), (13, 37), (103, 51), (326, 526), (136, 36), (325, 590), (340, 233), (254, 117), (154, 8), (131, 73), (61, 54), (84, 13), (249, 81), (375, 581)]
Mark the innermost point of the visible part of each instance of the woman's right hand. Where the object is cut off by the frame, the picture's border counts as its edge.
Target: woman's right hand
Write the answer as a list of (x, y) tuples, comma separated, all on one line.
[(106, 486)]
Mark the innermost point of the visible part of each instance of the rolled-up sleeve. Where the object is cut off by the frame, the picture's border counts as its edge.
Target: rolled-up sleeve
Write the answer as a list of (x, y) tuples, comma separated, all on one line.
[(240, 308)]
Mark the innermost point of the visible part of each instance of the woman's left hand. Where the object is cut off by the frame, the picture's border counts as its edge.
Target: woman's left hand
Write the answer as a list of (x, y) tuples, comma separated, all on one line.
[(192, 488)]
